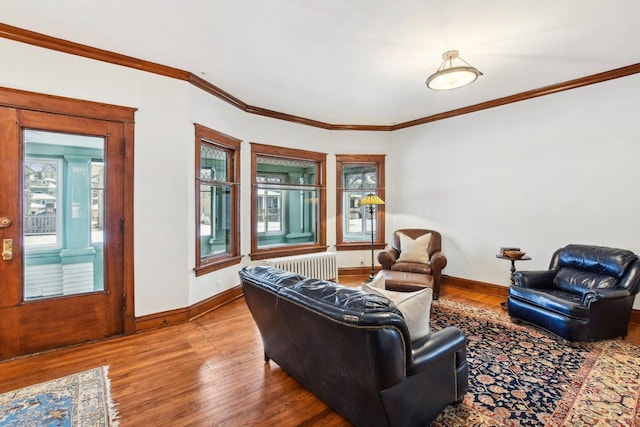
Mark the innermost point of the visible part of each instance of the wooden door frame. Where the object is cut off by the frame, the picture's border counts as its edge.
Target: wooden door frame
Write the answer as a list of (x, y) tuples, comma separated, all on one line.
[(93, 110)]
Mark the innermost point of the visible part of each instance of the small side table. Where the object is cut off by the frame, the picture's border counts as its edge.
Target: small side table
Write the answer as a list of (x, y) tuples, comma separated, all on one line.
[(513, 270), (513, 263)]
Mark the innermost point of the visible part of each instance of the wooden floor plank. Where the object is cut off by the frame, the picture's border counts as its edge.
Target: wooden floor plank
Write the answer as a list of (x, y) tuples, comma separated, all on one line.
[(209, 371)]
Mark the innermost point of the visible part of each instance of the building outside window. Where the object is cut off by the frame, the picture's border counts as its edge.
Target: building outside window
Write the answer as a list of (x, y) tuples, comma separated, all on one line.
[(288, 206), (217, 204), (42, 187), (357, 176)]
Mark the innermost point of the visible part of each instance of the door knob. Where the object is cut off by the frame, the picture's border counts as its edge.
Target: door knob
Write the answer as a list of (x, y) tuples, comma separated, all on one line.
[(7, 249), (4, 222)]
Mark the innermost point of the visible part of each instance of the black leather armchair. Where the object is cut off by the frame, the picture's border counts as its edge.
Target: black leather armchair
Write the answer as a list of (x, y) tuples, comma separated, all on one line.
[(587, 293)]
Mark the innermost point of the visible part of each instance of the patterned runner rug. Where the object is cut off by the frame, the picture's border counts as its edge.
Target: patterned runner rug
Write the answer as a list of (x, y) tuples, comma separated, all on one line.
[(523, 376), (79, 400)]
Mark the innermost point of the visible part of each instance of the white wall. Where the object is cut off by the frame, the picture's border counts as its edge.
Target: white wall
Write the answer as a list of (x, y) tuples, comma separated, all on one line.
[(161, 181), (537, 174), (164, 207)]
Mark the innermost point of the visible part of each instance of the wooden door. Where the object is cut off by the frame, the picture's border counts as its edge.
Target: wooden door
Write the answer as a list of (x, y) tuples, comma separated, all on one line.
[(62, 268)]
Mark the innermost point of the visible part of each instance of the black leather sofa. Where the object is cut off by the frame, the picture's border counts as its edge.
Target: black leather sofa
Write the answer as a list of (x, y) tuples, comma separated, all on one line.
[(353, 351), (586, 294)]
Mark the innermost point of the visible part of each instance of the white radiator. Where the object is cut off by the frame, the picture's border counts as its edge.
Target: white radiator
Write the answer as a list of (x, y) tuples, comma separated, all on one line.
[(322, 265)]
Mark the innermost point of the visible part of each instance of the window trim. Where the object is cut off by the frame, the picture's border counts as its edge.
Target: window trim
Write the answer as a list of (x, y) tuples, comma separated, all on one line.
[(262, 150), (233, 145), (360, 159)]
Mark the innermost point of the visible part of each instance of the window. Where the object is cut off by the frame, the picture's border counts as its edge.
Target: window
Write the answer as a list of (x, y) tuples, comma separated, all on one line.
[(217, 200), (63, 210), (288, 201), (357, 176)]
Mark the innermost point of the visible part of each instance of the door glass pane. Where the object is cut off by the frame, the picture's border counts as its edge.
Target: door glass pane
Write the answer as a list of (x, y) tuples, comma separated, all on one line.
[(64, 207)]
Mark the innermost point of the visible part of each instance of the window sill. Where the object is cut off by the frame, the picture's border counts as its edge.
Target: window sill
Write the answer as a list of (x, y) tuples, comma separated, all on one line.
[(217, 264), (358, 246), (286, 251)]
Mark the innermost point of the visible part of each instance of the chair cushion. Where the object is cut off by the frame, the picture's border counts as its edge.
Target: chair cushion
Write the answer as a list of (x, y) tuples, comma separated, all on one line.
[(402, 278), (411, 267), (414, 306), (566, 303), (414, 250), (580, 281), (597, 259)]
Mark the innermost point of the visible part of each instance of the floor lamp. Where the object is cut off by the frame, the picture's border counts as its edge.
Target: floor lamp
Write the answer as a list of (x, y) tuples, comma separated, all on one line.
[(371, 200)]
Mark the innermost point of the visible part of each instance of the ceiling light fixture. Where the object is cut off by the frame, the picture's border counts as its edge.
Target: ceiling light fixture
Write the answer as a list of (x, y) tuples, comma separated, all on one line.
[(449, 77)]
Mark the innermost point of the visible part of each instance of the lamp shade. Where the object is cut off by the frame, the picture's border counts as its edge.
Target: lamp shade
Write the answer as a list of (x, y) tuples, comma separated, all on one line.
[(449, 77), (371, 199)]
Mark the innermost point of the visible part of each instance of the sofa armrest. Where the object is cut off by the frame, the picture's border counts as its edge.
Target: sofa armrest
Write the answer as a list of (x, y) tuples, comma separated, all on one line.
[(426, 351), (534, 279), (387, 258), (437, 376), (438, 261), (594, 295)]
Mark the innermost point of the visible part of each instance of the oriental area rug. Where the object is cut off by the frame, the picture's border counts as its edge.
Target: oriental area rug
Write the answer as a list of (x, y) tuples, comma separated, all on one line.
[(522, 376), (78, 400)]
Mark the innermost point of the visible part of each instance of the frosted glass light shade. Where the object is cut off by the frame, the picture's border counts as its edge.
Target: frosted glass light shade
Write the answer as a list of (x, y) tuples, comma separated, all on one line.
[(449, 77), (452, 78)]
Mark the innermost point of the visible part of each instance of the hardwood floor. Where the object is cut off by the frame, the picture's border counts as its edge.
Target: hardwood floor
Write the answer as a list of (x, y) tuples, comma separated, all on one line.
[(208, 372)]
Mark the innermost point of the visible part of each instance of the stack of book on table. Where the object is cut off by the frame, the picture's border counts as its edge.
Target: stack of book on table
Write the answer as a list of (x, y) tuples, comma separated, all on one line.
[(508, 249)]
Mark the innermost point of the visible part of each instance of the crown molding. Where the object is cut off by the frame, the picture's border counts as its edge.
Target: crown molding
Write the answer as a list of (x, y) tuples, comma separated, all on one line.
[(523, 96), (66, 46), (61, 45)]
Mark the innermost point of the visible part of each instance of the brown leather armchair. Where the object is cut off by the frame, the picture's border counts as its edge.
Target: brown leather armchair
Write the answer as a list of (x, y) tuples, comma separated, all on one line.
[(410, 276)]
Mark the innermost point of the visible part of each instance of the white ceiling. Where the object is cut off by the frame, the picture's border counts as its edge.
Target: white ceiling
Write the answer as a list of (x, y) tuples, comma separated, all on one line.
[(358, 62)]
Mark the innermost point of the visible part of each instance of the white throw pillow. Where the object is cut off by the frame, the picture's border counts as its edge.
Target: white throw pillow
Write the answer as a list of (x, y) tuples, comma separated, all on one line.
[(377, 282), (414, 306), (414, 250)]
